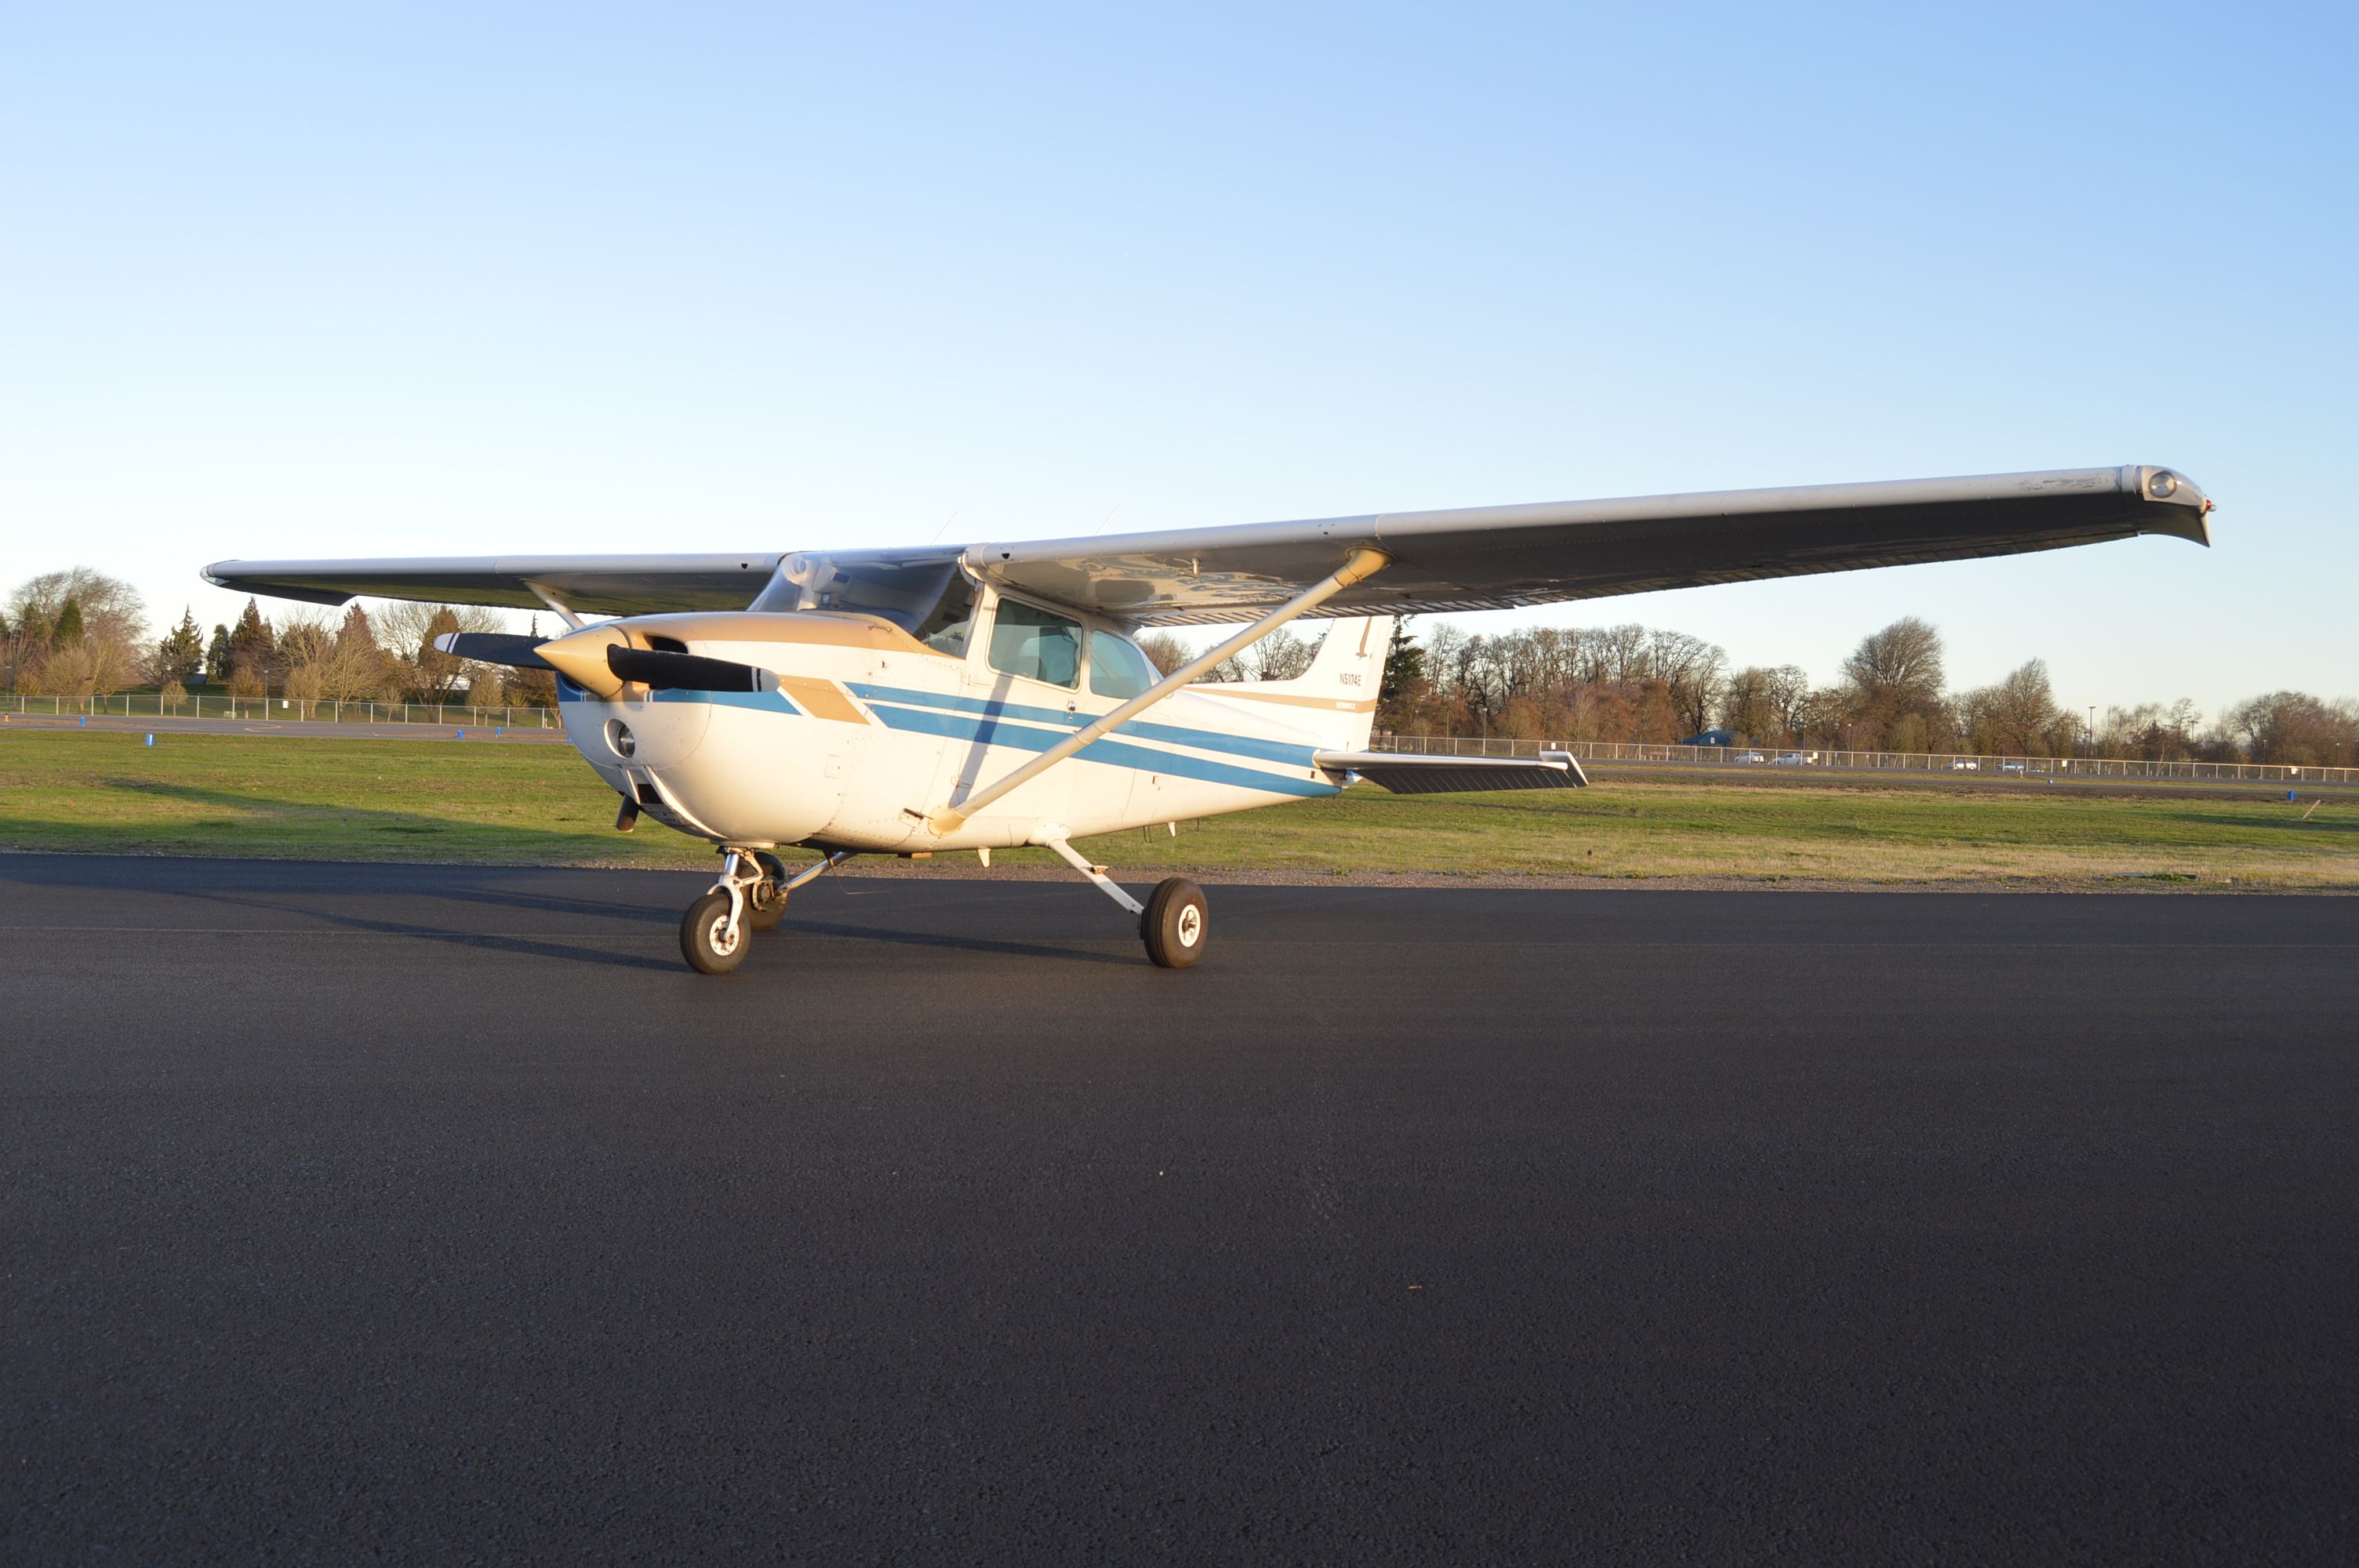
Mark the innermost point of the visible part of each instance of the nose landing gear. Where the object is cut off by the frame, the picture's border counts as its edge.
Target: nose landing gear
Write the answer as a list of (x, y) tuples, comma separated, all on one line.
[(750, 896)]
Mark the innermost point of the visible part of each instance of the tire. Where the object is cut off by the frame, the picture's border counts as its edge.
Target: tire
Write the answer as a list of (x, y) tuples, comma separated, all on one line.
[(766, 902), (700, 935), (1176, 924)]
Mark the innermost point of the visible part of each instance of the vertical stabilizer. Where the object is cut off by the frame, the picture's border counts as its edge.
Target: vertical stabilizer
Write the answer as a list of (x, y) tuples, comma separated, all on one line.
[(1336, 697)]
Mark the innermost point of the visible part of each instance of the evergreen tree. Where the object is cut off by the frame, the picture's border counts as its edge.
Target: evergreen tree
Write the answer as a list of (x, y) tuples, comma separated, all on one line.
[(1404, 663), (68, 631), (356, 634), (180, 656), (251, 644), (217, 656)]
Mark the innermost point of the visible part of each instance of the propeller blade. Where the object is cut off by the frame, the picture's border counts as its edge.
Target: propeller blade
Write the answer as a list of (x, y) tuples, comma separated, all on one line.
[(494, 648), (663, 671)]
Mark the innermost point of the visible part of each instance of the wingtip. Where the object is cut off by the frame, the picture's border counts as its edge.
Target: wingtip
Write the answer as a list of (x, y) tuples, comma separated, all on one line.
[(2182, 510)]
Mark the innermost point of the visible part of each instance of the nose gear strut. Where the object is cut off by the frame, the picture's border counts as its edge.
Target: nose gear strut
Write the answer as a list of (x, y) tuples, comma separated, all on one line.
[(750, 896)]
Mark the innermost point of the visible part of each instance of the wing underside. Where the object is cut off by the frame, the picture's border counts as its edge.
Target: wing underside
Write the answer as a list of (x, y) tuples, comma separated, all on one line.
[(1480, 558), (1509, 557), (587, 585)]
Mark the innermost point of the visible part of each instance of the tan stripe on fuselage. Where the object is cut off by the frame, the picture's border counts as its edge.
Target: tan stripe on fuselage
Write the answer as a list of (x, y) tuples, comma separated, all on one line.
[(822, 698), (1331, 704)]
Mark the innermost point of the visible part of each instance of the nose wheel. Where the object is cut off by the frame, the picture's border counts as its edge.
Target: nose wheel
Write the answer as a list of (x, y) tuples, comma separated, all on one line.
[(750, 896), (713, 936)]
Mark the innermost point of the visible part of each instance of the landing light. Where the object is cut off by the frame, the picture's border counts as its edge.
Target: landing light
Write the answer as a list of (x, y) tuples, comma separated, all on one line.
[(619, 739)]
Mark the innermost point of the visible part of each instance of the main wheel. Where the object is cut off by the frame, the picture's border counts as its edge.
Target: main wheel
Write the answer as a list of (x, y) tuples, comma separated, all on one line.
[(705, 939), (1175, 922), (766, 902)]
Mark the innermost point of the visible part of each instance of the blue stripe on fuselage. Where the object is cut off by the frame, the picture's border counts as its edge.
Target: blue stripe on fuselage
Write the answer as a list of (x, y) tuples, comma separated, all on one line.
[(1111, 753), (1290, 752), (761, 701)]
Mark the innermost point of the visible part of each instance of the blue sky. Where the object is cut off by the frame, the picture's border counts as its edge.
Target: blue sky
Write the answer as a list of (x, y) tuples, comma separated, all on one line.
[(321, 281)]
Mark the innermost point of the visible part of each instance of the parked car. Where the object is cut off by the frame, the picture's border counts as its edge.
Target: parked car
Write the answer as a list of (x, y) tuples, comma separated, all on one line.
[(1965, 765), (1788, 760), (2014, 767), (1749, 757)]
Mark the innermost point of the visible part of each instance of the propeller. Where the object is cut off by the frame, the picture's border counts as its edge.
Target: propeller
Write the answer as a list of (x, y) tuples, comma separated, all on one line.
[(601, 660), (507, 648), (660, 670)]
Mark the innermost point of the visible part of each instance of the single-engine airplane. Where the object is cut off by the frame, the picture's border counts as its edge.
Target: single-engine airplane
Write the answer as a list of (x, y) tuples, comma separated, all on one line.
[(981, 697)]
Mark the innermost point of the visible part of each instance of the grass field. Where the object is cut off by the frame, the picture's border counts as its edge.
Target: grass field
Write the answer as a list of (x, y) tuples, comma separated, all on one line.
[(493, 802)]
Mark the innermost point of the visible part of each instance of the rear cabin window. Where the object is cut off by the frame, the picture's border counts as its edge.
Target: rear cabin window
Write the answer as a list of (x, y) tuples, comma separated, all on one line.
[(1036, 643), (1116, 667)]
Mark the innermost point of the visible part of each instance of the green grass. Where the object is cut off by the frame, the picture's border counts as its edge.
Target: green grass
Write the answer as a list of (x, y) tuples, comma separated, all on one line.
[(510, 802)]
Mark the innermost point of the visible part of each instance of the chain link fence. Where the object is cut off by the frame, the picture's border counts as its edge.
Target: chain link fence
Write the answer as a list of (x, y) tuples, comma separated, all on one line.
[(148, 705), (1896, 762)]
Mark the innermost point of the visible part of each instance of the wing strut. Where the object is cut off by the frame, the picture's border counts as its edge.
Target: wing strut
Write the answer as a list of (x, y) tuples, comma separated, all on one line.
[(1362, 563)]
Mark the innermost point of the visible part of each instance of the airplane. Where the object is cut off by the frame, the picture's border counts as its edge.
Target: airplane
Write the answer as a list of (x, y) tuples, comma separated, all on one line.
[(981, 697)]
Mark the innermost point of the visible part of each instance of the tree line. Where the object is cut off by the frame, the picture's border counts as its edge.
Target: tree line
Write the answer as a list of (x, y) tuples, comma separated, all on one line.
[(80, 633), (1639, 683)]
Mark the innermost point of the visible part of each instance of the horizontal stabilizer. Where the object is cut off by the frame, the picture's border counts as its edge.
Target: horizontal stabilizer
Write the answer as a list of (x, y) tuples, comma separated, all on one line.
[(507, 648), (1409, 773)]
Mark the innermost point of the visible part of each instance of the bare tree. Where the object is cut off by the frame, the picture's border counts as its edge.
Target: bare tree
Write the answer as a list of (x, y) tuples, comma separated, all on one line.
[(93, 628), (1749, 705), (1617, 652), (2152, 733), (1690, 669), (1281, 655), (1789, 690), (407, 629), (111, 609), (1894, 672), (1164, 650), (1904, 660), (2018, 716), (2297, 728)]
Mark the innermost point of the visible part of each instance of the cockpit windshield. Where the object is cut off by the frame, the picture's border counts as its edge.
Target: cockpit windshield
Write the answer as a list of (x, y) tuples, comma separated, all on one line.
[(926, 595)]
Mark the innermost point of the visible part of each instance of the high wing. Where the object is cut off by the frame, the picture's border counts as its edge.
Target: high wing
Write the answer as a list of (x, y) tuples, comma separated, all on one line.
[(1503, 557), (1493, 557), (587, 585)]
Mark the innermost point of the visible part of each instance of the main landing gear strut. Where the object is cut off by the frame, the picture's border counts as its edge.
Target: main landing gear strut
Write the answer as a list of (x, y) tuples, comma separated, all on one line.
[(1173, 922), (750, 896)]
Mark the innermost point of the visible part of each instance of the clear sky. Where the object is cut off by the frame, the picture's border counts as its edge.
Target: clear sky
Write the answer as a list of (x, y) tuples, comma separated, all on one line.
[(316, 280)]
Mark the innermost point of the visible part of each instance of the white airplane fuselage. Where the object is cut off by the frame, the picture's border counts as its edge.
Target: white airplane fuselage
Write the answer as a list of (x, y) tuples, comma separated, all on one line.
[(862, 731)]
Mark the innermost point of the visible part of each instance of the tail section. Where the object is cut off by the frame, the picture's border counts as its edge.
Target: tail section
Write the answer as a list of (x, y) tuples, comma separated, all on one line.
[(1336, 697)]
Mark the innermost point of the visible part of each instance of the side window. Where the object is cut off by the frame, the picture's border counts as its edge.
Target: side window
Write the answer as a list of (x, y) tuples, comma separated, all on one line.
[(1116, 667), (1036, 643)]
